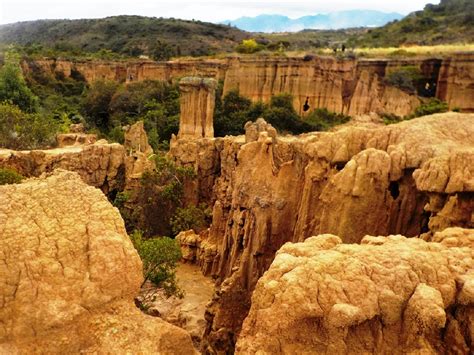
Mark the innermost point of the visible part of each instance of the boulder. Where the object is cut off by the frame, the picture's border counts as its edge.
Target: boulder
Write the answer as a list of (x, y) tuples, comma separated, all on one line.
[(387, 295), (69, 274)]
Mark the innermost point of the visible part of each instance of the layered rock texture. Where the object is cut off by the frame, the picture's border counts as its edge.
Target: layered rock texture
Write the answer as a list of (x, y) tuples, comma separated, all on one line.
[(387, 295), (414, 179), (110, 167), (342, 85), (69, 273), (197, 102)]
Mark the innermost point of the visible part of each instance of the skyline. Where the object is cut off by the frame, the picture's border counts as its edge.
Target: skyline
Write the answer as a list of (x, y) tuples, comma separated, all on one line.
[(209, 11)]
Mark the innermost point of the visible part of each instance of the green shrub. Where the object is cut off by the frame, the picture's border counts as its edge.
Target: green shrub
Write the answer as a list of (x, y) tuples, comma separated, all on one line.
[(13, 86), (249, 46), (193, 217), (160, 256), (10, 176), (322, 119), (405, 78), (95, 104), (20, 130), (160, 194), (431, 107), (389, 118)]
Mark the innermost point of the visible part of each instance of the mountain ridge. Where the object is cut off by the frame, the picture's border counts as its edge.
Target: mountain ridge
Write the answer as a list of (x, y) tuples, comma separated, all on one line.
[(326, 21)]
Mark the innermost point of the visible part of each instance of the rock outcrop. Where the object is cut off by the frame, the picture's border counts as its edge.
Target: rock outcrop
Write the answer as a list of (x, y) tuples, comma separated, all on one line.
[(110, 167), (349, 86), (69, 274), (68, 139), (413, 178), (387, 295), (197, 101), (99, 165)]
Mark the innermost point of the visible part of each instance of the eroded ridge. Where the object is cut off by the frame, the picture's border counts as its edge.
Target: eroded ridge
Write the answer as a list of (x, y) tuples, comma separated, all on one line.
[(388, 294)]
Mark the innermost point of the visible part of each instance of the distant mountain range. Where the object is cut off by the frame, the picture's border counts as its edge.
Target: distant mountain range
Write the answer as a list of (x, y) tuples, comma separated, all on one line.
[(333, 20)]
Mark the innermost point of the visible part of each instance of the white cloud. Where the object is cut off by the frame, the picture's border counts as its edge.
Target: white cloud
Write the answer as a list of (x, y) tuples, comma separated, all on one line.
[(213, 10)]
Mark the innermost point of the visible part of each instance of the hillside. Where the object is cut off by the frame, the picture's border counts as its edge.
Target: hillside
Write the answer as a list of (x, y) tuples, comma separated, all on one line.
[(452, 21), (128, 35), (333, 20)]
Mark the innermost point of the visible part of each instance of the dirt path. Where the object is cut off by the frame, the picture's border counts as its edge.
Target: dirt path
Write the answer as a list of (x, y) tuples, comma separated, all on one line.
[(188, 312)]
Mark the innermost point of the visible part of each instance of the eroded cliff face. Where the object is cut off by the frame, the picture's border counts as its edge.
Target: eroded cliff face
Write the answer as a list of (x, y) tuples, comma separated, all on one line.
[(69, 274), (347, 86), (387, 295), (414, 178), (110, 167)]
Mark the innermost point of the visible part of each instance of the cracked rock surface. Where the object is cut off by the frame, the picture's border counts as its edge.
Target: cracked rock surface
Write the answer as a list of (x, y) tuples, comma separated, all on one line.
[(387, 295), (69, 272)]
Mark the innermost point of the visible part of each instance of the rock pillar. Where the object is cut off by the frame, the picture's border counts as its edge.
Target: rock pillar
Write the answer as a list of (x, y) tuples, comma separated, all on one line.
[(198, 97)]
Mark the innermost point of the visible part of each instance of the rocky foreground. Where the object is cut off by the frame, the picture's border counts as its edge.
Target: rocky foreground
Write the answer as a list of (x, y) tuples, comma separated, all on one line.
[(69, 266), (69, 274), (387, 295)]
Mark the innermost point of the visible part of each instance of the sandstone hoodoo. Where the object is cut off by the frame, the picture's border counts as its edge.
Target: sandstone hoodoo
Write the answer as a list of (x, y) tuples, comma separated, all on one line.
[(198, 97), (70, 273)]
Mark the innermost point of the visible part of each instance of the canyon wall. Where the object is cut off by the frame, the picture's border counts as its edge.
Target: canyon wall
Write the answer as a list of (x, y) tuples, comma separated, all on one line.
[(347, 86), (414, 178)]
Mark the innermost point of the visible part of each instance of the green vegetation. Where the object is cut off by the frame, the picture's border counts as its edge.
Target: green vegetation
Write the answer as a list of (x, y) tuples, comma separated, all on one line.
[(160, 194), (322, 119), (233, 111), (10, 176), (406, 78), (429, 107), (117, 36), (160, 256), (13, 87), (452, 21), (20, 130), (197, 218), (249, 46)]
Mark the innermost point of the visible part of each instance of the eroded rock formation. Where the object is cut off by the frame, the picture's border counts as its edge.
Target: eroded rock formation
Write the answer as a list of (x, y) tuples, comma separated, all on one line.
[(387, 295), (350, 86), (414, 178), (99, 165), (197, 101), (69, 274), (111, 167)]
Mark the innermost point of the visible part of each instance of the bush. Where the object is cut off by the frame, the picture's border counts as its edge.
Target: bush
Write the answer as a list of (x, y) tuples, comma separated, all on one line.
[(322, 119), (10, 176), (160, 194), (406, 79), (20, 130), (431, 107), (95, 104), (249, 46), (389, 118), (13, 86), (197, 218), (160, 256)]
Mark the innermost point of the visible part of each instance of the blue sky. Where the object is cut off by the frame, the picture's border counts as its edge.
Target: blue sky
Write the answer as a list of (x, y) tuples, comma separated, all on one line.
[(24, 10)]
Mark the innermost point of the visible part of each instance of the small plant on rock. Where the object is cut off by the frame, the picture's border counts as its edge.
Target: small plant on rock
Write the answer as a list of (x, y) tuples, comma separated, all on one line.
[(9, 176)]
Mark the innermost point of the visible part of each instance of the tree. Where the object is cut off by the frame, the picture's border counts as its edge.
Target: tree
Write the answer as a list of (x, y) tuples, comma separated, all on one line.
[(21, 130), (249, 46), (95, 104), (160, 256), (13, 86)]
